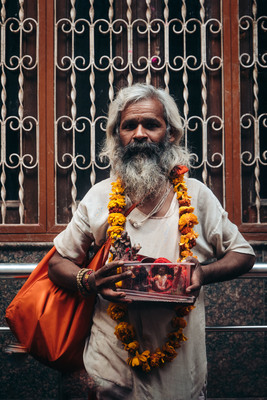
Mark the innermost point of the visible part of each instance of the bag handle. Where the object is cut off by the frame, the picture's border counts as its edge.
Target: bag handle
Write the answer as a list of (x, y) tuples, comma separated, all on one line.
[(130, 209)]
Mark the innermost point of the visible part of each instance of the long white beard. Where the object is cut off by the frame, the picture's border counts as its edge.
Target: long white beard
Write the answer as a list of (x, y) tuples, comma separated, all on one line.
[(144, 173)]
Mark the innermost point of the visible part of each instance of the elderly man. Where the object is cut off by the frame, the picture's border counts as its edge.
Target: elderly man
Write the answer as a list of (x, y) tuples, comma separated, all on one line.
[(175, 217)]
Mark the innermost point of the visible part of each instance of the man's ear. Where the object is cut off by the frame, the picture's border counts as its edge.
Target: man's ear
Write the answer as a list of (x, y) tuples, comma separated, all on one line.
[(171, 135)]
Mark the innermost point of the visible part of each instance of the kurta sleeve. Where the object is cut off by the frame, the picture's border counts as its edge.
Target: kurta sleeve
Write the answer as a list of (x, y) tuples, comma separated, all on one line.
[(88, 224), (217, 234), (75, 240)]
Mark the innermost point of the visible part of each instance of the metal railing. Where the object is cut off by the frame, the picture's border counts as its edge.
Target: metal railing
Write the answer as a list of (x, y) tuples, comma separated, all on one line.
[(18, 271)]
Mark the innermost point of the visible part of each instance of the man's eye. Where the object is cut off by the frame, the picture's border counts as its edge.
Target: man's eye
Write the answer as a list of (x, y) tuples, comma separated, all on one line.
[(129, 127), (151, 125)]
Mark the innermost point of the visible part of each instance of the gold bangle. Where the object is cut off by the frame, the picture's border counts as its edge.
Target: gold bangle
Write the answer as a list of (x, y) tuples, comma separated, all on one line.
[(79, 279)]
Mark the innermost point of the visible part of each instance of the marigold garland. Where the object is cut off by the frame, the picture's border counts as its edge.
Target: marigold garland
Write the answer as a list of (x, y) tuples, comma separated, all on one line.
[(118, 312)]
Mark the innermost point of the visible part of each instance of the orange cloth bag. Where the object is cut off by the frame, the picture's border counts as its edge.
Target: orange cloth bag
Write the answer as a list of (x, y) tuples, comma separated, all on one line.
[(51, 322)]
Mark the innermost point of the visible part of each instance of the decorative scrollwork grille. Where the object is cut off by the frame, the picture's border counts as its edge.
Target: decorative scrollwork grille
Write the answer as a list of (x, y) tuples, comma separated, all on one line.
[(19, 113), (253, 81), (101, 47)]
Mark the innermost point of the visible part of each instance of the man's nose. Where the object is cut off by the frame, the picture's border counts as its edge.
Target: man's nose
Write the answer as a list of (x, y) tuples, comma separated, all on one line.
[(140, 133)]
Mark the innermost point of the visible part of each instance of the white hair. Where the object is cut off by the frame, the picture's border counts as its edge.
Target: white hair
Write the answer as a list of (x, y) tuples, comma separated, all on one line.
[(134, 94)]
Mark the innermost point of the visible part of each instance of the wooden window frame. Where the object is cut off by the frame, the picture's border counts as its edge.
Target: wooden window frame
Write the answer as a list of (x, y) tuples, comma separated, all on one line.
[(46, 230)]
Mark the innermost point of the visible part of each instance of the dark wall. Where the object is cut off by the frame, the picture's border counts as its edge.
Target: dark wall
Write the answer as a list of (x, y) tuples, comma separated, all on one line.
[(236, 360)]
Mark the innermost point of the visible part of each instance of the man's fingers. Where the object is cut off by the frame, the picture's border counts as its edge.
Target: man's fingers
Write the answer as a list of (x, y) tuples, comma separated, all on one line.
[(112, 295), (110, 267), (109, 280)]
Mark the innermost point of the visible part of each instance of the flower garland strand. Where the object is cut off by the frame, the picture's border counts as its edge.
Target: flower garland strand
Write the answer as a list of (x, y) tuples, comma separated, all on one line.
[(118, 312)]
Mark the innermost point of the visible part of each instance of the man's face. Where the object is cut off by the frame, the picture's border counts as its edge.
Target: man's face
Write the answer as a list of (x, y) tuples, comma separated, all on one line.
[(143, 122)]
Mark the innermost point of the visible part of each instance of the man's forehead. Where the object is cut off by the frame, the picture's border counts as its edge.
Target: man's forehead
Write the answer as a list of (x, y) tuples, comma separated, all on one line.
[(145, 108)]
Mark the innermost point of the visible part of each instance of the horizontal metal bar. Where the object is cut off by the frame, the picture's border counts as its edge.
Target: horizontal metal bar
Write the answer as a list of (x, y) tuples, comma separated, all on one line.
[(5, 329), (13, 270), (258, 271), (237, 328), (16, 270), (241, 328)]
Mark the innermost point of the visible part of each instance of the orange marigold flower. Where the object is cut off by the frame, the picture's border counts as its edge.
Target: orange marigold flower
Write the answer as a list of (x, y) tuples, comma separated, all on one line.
[(177, 180), (185, 209), (170, 352), (182, 311), (124, 332), (186, 230), (175, 338), (185, 201), (178, 170), (146, 367), (115, 210), (178, 322), (117, 311), (184, 249), (188, 220), (157, 359), (116, 219)]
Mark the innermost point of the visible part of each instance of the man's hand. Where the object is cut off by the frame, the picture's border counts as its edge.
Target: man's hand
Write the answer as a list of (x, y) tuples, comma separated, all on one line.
[(230, 266), (105, 279), (63, 272), (197, 279)]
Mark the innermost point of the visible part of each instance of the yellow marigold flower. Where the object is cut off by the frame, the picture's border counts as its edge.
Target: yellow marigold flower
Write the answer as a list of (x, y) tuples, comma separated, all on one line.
[(117, 311), (124, 332), (139, 359), (132, 347), (179, 195), (116, 219), (190, 235), (187, 219), (177, 180), (185, 209), (115, 231), (117, 186), (184, 239), (188, 240), (186, 253), (180, 187), (117, 202)]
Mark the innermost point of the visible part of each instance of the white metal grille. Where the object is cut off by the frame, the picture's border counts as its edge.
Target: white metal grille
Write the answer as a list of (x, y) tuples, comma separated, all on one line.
[(253, 64), (103, 45), (176, 45), (19, 116)]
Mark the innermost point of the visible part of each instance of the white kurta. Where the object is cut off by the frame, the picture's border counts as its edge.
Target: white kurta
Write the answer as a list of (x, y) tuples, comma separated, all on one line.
[(104, 357)]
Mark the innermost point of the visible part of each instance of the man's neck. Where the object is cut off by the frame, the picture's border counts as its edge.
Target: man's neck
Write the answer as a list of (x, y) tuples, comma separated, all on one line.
[(149, 204)]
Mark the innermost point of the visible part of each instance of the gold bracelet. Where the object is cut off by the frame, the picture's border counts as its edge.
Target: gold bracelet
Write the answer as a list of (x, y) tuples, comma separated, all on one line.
[(79, 279)]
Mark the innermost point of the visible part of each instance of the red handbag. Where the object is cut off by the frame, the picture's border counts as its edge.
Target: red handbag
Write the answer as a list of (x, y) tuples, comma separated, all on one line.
[(50, 322)]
